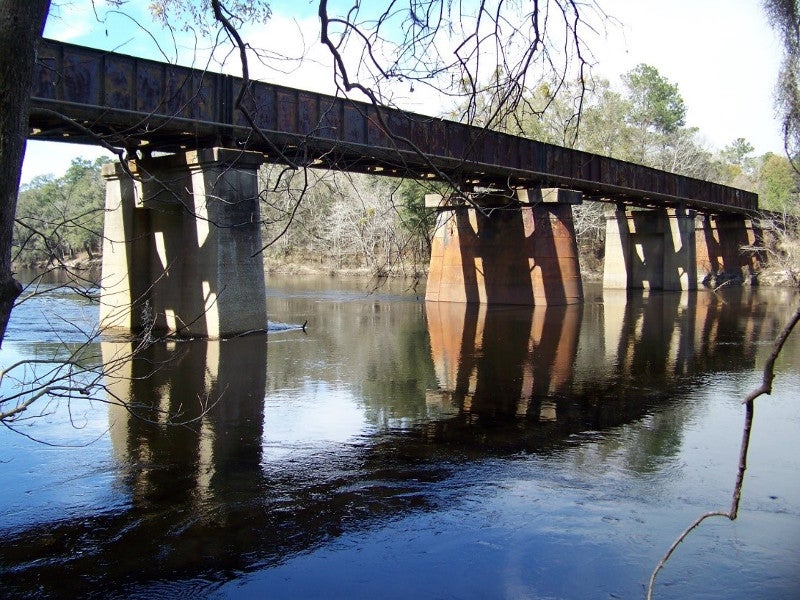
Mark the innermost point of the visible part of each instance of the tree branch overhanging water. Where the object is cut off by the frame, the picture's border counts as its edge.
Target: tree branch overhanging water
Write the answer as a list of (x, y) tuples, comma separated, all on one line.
[(768, 376)]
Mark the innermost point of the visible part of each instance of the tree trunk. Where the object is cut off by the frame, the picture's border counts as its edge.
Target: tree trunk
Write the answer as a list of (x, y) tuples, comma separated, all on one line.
[(21, 26)]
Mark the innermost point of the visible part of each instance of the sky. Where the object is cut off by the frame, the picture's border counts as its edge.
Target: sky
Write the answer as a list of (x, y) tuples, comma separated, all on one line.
[(722, 54)]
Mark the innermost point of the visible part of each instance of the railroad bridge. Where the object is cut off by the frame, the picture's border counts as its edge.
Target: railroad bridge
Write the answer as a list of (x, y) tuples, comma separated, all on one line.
[(182, 237)]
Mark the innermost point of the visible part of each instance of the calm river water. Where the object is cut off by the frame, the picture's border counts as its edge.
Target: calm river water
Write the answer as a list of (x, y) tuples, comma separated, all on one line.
[(398, 450)]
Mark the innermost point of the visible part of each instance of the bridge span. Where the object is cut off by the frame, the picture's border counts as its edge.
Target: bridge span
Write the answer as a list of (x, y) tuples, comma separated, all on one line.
[(136, 103), (182, 235)]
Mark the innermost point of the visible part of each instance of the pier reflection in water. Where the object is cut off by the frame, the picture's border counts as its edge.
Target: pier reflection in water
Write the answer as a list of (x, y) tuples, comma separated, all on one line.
[(523, 367), (502, 361), (401, 449)]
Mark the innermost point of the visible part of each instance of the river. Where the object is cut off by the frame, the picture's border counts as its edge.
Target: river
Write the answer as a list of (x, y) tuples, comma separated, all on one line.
[(394, 449)]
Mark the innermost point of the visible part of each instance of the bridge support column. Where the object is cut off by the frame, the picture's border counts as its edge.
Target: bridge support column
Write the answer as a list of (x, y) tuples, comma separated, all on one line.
[(725, 249), (650, 249), (180, 240), (506, 252)]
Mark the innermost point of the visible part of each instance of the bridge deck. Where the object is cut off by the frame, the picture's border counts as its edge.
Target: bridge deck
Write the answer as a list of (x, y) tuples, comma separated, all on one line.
[(135, 102)]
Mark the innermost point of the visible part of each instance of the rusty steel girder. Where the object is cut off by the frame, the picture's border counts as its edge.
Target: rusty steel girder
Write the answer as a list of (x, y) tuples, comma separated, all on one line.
[(82, 95)]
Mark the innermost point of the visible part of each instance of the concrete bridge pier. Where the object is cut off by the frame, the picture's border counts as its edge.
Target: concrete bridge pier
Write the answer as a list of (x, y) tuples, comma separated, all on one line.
[(180, 252), (725, 249), (501, 250), (650, 249)]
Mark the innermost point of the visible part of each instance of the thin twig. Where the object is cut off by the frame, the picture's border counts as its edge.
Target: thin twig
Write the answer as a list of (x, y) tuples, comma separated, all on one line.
[(765, 388)]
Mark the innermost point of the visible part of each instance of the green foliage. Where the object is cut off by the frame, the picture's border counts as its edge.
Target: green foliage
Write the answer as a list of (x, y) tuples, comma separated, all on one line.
[(738, 153), (57, 218), (656, 104), (656, 115), (778, 184), (736, 166), (643, 123)]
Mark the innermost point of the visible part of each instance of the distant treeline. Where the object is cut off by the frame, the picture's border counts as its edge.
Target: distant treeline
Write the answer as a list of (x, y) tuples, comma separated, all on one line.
[(60, 218)]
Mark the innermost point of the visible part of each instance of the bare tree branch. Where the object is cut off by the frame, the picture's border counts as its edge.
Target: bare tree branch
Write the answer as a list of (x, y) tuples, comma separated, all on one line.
[(768, 375)]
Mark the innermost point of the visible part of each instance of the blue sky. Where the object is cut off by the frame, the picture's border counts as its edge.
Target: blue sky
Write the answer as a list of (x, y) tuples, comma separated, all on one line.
[(721, 53)]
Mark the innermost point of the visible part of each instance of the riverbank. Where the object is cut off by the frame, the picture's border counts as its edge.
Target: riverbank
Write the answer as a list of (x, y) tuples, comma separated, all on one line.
[(319, 266)]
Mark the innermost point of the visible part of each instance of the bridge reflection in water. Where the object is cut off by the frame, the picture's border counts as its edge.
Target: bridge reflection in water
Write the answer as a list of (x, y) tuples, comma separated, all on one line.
[(524, 367), (495, 366), (211, 498)]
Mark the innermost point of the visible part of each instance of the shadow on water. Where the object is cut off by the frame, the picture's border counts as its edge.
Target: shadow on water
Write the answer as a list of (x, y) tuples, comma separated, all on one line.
[(217, 496)]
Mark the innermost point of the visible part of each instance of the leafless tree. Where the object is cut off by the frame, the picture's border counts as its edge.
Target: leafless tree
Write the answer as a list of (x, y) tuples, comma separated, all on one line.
[(781, 244)]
